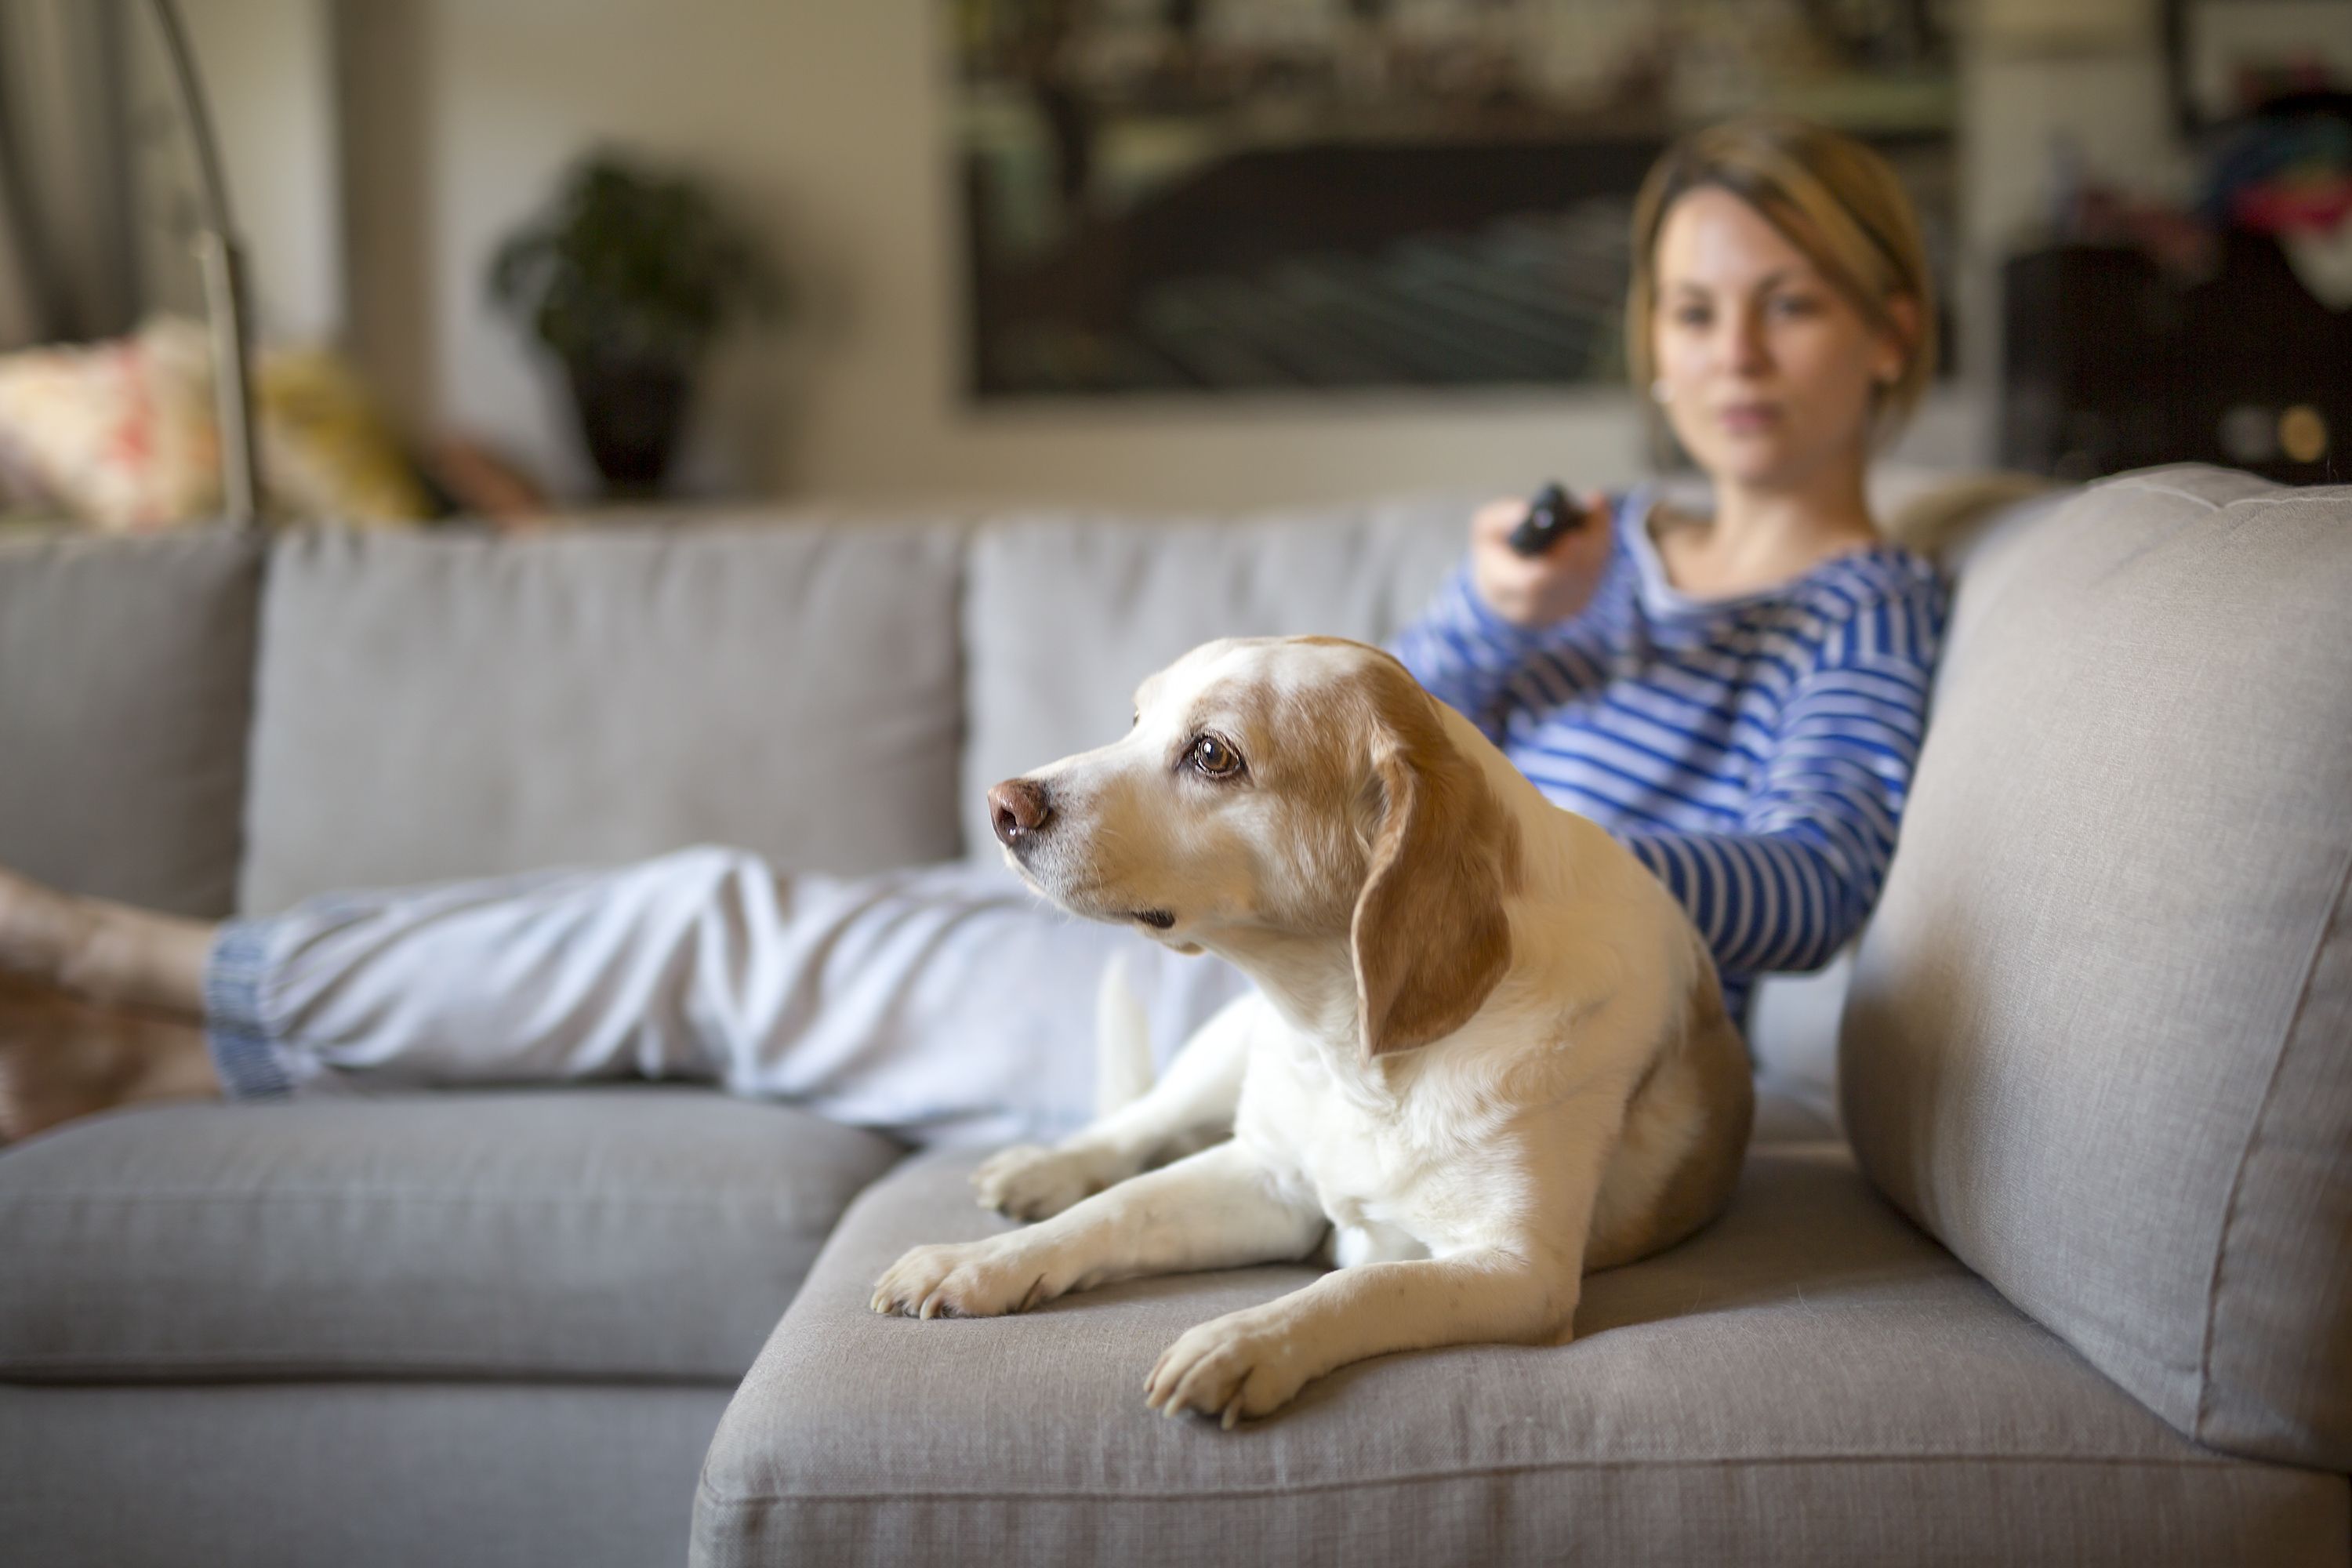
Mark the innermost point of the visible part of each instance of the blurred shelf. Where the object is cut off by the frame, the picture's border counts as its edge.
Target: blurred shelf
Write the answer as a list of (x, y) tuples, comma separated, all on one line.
[(2107, 365)]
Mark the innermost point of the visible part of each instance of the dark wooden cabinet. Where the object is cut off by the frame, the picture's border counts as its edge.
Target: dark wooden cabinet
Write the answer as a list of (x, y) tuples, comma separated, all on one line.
[(2108, 364)]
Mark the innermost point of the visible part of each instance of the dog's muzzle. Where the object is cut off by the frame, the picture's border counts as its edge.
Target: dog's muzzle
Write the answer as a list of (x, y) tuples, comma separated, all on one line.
[(1020, 809)]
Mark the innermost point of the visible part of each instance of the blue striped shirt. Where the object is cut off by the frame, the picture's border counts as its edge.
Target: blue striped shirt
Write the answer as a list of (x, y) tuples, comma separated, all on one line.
[(1754, 751)]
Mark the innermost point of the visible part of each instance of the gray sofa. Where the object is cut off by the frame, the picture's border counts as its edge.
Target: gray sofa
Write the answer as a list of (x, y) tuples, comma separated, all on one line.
[(2043, 1253)]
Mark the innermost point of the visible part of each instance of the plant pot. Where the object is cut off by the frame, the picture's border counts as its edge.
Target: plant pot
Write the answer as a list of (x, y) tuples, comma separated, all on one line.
[(632, 412)]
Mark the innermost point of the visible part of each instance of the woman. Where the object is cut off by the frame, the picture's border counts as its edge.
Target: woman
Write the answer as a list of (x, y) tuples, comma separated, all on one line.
[(1739, 696)]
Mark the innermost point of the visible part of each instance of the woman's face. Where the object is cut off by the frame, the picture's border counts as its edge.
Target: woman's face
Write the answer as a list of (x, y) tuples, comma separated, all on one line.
[(1767, 370)]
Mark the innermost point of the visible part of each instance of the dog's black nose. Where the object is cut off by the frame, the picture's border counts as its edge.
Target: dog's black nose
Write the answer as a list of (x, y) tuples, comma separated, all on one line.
[(1018, 806)]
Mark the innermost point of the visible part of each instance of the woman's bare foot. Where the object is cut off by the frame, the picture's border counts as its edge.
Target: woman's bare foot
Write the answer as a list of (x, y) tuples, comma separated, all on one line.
[(106, 952), (62, 1056), (38, 927), (100, 1005)]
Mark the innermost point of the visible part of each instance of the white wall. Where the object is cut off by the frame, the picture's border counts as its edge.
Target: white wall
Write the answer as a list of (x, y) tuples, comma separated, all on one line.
[(822, 121), (267, 71)]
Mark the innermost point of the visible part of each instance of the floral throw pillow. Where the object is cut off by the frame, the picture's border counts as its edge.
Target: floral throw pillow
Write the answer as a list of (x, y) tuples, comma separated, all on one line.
[(121, 435)]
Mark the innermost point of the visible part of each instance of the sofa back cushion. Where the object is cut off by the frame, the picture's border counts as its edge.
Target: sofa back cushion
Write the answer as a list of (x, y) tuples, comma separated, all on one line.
[(449, 705), (1066, 613), (126, 679), (2099, 1040)]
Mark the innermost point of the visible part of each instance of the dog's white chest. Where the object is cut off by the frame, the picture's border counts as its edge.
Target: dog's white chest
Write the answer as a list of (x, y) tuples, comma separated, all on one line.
[(1358, 1188), (1363, 1175)]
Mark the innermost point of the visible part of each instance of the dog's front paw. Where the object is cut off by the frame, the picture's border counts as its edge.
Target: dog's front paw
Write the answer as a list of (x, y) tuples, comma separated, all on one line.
[(1026, 1182), (961, 1280), (1230, 1367)]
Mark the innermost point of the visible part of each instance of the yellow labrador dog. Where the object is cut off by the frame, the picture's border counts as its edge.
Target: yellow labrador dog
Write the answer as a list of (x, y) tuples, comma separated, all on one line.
[(1486, 1052)]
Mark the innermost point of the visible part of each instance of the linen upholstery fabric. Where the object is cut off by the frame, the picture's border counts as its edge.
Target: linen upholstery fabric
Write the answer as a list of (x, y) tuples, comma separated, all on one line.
[(1066, 615), (437, 706), (1807, 1381), (2099, 1040), (128, 689), (356, 1475), (590, 1233)]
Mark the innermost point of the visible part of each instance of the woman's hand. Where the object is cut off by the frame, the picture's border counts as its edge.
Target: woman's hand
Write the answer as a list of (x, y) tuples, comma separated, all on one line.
[(1534, 591)]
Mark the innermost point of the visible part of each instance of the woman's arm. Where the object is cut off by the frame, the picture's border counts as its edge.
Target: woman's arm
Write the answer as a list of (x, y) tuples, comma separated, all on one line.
[(1786, 889), (1465, 655), (1467, 652)]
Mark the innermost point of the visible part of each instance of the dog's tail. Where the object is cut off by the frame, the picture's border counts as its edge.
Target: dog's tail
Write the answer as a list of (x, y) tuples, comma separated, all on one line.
[(1122, 1040)]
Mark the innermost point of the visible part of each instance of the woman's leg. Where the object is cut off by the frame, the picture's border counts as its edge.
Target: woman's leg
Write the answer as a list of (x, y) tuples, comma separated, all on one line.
[(942, 1003)]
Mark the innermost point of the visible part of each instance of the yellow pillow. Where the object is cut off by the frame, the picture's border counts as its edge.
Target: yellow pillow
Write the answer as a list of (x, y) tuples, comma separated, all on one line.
[(325, 452)]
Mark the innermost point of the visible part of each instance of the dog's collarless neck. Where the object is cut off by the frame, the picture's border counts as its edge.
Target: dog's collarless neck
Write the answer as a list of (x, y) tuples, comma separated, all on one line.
[(1311, 983)]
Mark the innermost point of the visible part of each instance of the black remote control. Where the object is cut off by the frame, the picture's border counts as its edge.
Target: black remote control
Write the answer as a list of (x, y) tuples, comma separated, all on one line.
[(1549, 515)]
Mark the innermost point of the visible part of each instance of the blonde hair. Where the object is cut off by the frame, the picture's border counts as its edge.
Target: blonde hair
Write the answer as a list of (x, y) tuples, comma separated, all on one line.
[(1831, 198)]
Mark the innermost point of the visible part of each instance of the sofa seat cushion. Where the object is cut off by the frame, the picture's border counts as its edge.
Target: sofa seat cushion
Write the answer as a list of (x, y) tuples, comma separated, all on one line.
[(590, 1234), (1808, 1381), (1789, 1112)]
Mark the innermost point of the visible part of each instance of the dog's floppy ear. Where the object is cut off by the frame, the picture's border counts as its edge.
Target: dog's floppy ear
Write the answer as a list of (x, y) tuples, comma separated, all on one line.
[(1430, 935)]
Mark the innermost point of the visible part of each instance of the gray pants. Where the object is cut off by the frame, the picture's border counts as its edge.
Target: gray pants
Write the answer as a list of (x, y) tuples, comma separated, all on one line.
[(944, 1004)]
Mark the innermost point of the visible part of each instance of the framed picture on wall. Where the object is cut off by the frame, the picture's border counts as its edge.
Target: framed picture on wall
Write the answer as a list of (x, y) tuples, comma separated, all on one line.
[(1274, 197)]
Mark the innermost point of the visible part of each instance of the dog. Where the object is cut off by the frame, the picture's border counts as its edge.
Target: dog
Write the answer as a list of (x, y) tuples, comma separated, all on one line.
[(1485, 1054)]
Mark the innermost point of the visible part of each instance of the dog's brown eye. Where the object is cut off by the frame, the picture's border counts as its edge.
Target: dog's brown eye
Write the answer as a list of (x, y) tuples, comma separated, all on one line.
[(1213, 758)]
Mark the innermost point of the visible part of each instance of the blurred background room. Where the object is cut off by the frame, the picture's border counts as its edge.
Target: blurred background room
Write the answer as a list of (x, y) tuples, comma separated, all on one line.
[(513, 257), (764, 425)]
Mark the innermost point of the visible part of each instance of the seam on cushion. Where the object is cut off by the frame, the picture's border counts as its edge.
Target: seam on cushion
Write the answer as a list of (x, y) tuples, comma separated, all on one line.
[(2327, 928), (258, 555), (2295, 497), (1481, 1472), (2147, 487)]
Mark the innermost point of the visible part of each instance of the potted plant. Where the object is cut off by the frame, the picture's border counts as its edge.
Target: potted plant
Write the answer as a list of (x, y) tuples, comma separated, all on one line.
[(628, 277)]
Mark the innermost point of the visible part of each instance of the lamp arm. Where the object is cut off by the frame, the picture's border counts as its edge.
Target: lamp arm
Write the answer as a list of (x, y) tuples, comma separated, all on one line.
[(223, 280)]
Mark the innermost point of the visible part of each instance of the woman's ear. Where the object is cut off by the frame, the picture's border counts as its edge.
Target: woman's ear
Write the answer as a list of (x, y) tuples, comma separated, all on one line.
[(1898, 341), (1430, 935)]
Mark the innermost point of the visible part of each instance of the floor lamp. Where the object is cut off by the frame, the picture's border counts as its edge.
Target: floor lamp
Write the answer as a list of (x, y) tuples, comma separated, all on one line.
[(223, 280)]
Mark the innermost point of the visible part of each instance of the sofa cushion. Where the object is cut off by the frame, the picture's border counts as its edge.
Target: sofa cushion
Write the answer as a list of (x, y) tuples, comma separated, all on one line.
[(447, 705), (2100, 1035), (591, 1234), (126, 679), (1808, 1381)]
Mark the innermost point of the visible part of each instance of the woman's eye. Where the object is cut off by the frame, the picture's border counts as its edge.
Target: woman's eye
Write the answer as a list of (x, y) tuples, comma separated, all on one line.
[(1213, 758), (1793, 306), (1691, 318)]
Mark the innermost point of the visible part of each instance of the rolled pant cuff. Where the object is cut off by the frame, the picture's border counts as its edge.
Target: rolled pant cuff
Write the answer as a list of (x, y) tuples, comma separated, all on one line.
[(242, 1054)]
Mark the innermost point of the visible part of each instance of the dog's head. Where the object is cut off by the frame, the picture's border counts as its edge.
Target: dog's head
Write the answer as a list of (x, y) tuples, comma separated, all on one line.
[(1277, 789)]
